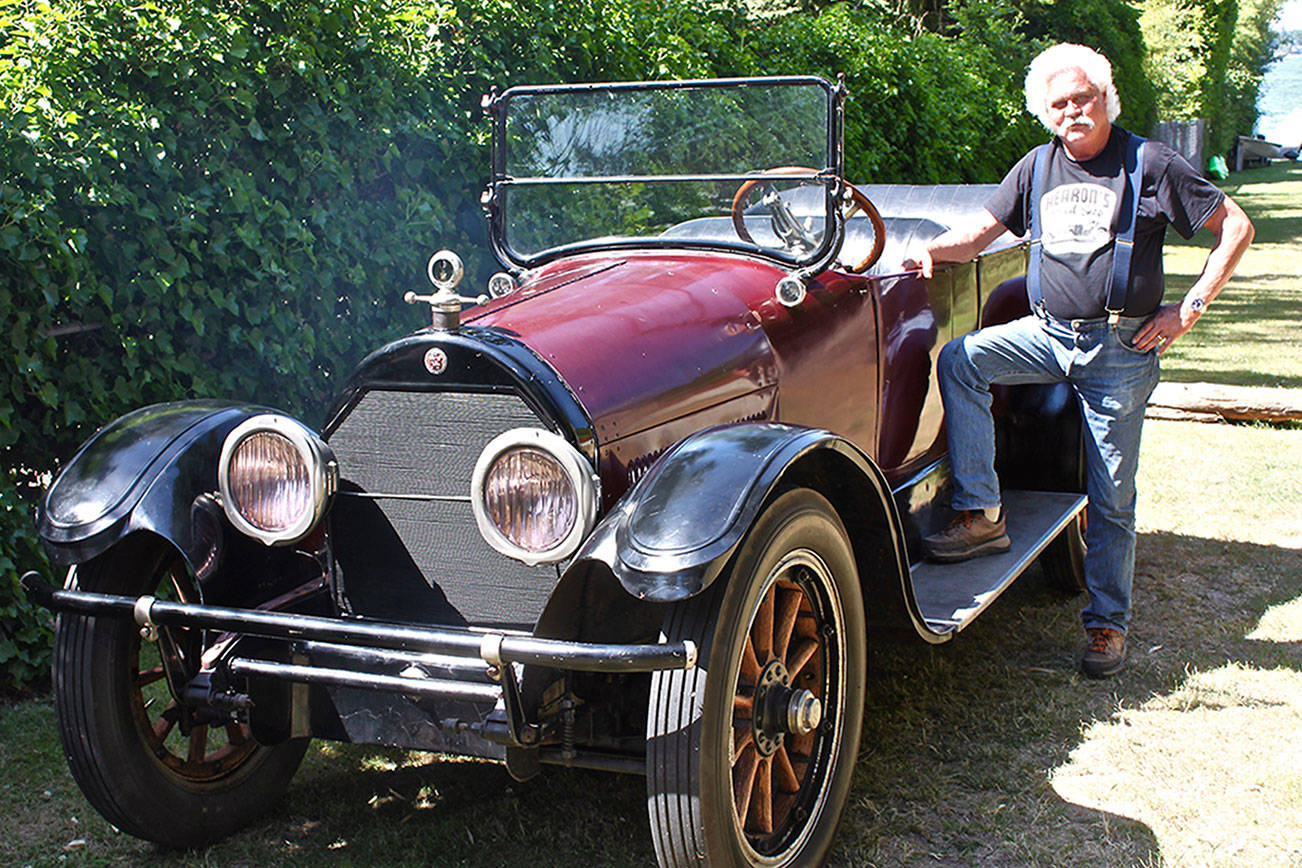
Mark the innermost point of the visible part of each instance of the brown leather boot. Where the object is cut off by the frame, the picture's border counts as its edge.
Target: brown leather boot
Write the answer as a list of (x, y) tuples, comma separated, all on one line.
[(1105, 654), (970, 534)]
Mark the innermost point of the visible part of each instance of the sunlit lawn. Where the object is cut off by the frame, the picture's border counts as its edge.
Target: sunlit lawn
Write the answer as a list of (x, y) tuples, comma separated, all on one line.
[(1249, 336)]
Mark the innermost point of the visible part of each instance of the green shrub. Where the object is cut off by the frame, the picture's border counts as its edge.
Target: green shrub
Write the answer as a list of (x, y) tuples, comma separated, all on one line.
[(923, 108), (200, 199), (24, 629)]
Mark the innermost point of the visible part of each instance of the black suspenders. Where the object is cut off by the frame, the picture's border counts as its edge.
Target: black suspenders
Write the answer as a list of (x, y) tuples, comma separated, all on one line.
[(1124, 244)]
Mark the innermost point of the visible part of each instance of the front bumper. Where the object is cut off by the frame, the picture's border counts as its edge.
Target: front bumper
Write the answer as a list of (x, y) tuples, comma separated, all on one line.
[(480, 660)]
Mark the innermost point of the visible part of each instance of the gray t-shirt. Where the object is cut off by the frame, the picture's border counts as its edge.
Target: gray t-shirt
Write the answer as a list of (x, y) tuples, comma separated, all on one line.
[(1081, 204)]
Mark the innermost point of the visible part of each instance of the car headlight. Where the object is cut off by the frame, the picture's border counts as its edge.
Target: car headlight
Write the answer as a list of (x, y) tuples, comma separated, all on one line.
[(276, 478), (534, 496)]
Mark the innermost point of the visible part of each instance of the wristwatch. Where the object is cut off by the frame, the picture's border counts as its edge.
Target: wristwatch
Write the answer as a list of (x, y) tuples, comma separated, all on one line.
[(1197, 305)]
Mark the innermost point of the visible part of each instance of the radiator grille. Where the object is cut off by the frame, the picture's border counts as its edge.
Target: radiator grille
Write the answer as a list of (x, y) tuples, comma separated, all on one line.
[(403, 555)]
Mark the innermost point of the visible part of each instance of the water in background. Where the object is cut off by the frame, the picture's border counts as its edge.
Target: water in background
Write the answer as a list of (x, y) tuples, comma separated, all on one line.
[(1280, 102)]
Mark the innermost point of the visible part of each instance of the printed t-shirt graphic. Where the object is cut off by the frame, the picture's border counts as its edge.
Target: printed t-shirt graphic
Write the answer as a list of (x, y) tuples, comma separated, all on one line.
[(1077, 219)]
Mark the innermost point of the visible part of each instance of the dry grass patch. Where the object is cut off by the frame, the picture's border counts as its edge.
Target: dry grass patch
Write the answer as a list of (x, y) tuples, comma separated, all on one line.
[(1212, 766)]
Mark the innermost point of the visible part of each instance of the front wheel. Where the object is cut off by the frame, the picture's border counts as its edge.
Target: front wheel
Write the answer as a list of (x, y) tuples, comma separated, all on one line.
[(151, 767), (750, 753)]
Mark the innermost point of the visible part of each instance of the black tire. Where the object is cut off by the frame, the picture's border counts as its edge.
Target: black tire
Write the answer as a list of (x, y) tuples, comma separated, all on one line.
[(120, 728), (727, 786), (1063, 560)]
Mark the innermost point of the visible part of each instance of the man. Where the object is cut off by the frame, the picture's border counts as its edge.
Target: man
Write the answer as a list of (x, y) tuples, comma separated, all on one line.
[(1109, 358)]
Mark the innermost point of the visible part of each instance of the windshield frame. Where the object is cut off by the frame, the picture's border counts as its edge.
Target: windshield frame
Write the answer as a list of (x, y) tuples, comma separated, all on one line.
[(831, 177)]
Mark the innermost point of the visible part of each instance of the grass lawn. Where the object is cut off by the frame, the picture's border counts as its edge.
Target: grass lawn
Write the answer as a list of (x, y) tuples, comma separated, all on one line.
[(1249, 336)]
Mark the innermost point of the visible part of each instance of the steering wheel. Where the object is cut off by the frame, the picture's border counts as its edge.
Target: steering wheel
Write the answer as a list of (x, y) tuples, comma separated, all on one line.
[(853, 202)]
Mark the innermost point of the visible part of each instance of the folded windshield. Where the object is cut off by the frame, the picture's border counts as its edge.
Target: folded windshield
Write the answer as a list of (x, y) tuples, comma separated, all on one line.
[(663, 164)]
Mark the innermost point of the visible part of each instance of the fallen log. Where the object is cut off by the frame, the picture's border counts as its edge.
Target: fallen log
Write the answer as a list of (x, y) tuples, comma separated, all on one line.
[(1209, 402)]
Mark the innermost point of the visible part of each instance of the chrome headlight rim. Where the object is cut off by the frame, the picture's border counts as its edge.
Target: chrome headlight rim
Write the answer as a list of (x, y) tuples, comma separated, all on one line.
[(316, 456), (576, 469)]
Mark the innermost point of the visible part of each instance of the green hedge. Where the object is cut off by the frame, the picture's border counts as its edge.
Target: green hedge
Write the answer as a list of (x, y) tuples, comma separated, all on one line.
[(923, 108), (229, 199)]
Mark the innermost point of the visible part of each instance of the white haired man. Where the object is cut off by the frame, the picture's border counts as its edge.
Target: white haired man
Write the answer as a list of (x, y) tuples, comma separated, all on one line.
[(1095, 282)]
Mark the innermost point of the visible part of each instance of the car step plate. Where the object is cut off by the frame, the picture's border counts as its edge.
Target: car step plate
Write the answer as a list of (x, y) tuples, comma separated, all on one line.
[(950, 596)]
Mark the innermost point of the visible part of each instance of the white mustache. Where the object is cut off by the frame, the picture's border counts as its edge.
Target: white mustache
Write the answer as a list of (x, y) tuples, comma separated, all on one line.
[(1079, 121)]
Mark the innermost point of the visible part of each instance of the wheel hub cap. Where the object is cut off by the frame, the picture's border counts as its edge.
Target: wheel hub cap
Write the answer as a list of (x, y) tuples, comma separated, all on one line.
[(772, 697), (804, 713), (781, 710)]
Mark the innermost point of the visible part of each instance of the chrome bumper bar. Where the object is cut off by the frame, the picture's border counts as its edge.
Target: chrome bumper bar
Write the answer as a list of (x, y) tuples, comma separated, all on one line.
[(494, 648)]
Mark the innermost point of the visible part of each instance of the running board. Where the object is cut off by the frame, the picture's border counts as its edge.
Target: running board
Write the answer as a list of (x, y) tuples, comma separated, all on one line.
[(950, 596)]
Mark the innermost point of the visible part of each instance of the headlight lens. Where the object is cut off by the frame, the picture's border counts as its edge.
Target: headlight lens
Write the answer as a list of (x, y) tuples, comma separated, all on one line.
[(534, 496), (530, 499), (269, 482), (276, 478)]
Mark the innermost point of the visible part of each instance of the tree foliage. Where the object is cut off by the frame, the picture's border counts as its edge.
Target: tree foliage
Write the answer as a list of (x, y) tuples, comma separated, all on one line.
[(1111, 27), (1206, 59), (923, 109), (1252, 50)]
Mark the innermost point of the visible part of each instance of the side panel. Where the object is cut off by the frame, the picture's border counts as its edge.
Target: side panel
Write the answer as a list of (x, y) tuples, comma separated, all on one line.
[(1001, 271), (916, 323), (825, 354)]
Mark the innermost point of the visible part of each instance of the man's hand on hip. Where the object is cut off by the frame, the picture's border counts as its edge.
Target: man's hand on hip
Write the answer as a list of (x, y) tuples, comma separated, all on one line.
[(1169, 323)]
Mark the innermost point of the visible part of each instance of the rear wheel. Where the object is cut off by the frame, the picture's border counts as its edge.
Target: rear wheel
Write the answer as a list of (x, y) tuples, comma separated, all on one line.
[(1063, 560), (150, 766), (750, 753)]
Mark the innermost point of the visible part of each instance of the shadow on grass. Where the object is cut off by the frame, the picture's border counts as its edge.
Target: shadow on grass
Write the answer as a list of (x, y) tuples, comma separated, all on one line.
[(955, 766), (959, 747)]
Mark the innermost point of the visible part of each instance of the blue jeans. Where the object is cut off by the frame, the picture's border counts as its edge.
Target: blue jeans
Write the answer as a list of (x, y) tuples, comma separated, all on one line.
[(1112, 382)]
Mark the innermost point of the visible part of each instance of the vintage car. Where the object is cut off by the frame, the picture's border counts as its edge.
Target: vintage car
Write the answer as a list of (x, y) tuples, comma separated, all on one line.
[(639, 506)]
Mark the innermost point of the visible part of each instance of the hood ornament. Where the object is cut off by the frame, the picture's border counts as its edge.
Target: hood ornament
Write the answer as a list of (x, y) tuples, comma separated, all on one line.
[(445, 271)]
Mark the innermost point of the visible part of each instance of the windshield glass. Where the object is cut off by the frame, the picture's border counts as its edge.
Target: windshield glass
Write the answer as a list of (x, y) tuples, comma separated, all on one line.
[(661, 164)]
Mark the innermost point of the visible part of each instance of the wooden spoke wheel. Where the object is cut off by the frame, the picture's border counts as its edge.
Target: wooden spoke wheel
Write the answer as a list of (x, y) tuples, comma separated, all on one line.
[(750, 754), (152, 767)]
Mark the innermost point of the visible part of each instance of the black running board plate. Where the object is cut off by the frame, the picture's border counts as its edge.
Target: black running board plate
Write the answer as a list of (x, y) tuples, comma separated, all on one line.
[(950, 596)]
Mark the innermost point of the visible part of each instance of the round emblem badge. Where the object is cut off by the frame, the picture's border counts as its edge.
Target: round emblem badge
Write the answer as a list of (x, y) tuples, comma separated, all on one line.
[(436, 361)]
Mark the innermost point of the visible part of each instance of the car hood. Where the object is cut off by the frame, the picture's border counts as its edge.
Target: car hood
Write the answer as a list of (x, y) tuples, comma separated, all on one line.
[(645, 338)]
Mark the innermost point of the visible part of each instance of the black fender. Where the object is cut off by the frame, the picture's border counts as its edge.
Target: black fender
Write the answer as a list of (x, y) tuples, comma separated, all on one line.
[(675, 532), (153, 470)]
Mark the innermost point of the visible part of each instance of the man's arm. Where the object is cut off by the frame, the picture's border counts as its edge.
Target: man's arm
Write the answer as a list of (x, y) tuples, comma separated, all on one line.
[(1233, 231), (960, 244)]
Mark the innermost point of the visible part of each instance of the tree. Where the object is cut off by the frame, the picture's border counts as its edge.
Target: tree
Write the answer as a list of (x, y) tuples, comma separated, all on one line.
[(1206, 59)]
